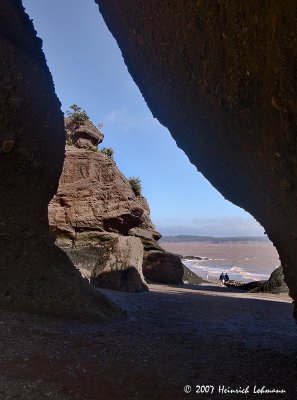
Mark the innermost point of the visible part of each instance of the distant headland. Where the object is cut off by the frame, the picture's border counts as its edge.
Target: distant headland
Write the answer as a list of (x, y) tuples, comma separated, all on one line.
[(211, 239)]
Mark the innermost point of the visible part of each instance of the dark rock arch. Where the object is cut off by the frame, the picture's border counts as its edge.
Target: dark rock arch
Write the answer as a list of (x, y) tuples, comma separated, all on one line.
[(221, 75), (35, 275)]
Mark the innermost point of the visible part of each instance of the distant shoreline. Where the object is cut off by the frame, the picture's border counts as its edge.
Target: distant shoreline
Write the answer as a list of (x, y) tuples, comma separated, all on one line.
[(213, 240), (244, 260)]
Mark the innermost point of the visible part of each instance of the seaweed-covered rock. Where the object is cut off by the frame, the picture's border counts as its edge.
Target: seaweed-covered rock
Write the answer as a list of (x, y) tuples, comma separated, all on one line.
[(119, 266), (275, 284), (190, 277)]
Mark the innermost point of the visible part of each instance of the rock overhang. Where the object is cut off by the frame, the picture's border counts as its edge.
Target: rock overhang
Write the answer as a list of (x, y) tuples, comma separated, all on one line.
[(221, 76)]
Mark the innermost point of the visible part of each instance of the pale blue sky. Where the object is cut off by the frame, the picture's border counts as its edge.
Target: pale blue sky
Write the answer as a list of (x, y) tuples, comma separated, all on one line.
[(88, 69)]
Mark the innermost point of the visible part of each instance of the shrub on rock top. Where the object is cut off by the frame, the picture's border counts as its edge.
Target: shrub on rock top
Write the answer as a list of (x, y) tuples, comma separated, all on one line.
[(78, 115)]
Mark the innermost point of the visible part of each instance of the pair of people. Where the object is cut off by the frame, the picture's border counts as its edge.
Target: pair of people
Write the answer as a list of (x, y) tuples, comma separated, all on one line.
[(224, 278)]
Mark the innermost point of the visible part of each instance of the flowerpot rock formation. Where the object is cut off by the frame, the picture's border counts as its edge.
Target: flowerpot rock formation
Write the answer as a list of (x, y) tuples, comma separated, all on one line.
[(96, 218)]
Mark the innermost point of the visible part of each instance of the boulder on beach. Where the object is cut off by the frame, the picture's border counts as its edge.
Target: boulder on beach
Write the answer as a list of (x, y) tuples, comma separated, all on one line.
[(163, 267)]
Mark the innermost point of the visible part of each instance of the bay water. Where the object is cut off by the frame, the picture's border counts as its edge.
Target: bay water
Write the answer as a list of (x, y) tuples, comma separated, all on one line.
[(243, 261)]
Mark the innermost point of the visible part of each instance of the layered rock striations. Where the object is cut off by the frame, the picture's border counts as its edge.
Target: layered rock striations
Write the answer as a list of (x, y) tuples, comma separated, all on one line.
[(221, 76), (95, 217), (35, 275)]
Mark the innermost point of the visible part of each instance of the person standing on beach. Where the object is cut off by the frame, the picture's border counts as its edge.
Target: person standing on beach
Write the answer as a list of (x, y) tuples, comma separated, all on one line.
[(222, 278), (226, 277)]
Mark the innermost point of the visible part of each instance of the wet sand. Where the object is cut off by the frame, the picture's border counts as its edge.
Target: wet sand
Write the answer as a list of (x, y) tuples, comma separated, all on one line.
[(173, 336)]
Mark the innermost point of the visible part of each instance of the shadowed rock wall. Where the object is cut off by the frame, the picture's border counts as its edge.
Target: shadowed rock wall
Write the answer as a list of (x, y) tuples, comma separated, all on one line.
[(221, 75), (35, 275)]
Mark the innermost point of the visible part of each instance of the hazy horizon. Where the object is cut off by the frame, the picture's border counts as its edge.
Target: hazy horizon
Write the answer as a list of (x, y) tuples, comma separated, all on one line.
[(215, 227), (216, 237)]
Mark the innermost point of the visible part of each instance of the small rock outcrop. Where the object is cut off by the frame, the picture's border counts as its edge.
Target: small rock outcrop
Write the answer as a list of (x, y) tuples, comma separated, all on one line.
[(189, 277), (275, 284), (82, 136), (96, 218)]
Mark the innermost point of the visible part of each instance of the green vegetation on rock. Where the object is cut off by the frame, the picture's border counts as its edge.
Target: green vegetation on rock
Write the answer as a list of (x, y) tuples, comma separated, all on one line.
[(78, 115), (135, 184), (108, 151)]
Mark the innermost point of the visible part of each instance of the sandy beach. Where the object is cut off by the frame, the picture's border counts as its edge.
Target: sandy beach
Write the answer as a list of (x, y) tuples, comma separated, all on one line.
[(173, 336)]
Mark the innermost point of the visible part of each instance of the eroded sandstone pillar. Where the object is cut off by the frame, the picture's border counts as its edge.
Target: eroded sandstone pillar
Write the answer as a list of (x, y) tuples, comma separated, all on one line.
[(221, 75), (35, 275)]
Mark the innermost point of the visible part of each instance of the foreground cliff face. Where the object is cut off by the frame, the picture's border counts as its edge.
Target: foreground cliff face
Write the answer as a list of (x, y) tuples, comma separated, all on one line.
[(35, 275), (222, 77)]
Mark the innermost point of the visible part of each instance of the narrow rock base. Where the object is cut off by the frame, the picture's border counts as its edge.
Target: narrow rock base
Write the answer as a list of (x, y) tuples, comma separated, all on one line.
[(44, 281)]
